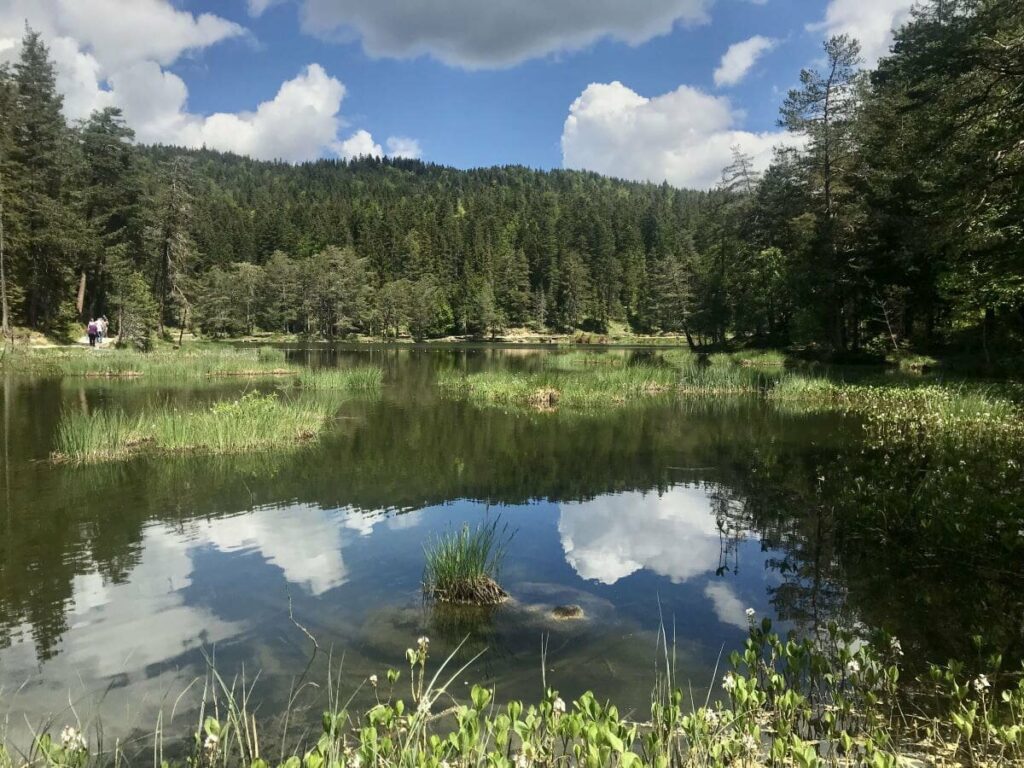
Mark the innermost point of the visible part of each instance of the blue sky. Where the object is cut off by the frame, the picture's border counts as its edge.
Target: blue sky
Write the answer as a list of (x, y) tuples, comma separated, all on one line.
[(625, 87)]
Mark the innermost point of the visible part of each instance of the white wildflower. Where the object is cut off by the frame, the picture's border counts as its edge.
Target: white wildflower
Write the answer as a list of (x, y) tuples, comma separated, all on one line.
[(211, 743), (522, 761), (729, 682), (751, 613), (72, 739), (558, 706), (711, 716), (373, 680), (981, 684), (852, 667), (749, 743), (423, 642), (424, 706), (895, 647)]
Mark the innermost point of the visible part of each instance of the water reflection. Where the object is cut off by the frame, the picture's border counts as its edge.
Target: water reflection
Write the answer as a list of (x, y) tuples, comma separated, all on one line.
[(674, 534), (129, 573)]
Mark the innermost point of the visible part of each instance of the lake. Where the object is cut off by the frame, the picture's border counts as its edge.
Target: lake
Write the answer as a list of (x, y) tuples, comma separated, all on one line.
[(121, 582)]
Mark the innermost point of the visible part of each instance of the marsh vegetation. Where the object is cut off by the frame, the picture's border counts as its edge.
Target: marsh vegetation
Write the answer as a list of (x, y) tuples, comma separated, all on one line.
[(462, 566)]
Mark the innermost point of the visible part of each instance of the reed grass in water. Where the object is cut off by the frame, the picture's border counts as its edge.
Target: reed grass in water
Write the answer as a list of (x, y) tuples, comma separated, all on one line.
[(462, 566), (253, 421), (193, 363), (363, 379)]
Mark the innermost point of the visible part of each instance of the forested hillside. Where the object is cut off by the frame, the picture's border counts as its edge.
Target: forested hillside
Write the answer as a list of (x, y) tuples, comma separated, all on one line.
[(899, 223)]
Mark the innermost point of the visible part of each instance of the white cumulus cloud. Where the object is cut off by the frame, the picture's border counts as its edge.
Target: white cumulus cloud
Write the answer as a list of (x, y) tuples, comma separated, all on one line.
[(727, 606), (673, 534), (362, 144), (740, 58), (403, 146), (359, 144), (114, 53), (870, 21), (496, 33), (684, 137)]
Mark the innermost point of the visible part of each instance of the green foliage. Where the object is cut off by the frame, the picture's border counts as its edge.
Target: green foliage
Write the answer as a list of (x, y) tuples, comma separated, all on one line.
[(362, 379), (838, 701), (136, 311), (867, 238), (253, 421)]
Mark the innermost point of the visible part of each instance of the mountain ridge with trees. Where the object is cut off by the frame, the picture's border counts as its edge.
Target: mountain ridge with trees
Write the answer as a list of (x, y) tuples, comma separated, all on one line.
[(898, 224)]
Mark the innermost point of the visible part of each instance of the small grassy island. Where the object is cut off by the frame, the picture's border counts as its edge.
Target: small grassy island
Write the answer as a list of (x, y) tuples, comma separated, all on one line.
[(462, 565), (298, 407)]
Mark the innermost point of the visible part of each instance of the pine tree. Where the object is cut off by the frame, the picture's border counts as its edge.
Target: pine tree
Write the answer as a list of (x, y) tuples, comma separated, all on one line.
[(824, 109), (6, 106), (174, 247), (48, 231), (572, 293), (112, 202)]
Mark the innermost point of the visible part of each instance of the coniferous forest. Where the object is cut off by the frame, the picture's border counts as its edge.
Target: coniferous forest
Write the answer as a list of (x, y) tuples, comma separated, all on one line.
[(900, 224)]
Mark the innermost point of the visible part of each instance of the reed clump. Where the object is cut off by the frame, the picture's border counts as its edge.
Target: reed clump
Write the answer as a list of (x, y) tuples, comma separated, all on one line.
[(954, 415), (251, 422), (595, 388), (462, 566), (193, 363), (361, 379)]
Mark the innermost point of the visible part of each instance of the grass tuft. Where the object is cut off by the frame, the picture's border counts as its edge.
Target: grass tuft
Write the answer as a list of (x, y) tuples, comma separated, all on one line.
[(253, 421), (180, 364), (462, 565), (362, 379)]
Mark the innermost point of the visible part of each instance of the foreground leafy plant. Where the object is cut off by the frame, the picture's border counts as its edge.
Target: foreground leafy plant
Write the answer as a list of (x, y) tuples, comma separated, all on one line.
[(830, 701)]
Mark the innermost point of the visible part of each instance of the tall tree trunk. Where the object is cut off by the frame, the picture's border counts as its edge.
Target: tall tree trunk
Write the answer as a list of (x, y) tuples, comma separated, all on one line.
[(689, 339), (80, 301), (5, 321)]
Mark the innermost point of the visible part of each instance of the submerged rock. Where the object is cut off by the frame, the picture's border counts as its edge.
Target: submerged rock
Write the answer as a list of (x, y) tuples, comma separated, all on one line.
[(567, 612), (544, 399)]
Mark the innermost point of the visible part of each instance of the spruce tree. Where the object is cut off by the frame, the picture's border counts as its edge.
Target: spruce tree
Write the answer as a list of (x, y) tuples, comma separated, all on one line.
[(49, 232), (112, 202)]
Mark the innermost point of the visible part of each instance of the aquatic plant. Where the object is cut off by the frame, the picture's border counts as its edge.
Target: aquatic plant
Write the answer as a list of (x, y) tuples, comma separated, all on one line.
[(462, 565), (958, 415), (581, 384), (189, 363), (360, 379), (594, 388), (249, 422)]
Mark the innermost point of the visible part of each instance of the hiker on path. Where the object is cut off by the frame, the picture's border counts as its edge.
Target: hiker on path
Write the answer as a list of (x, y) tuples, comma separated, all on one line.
[(101, 330), (92, 330)]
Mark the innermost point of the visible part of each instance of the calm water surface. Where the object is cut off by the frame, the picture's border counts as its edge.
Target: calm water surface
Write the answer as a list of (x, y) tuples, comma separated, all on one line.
[(119, 582)]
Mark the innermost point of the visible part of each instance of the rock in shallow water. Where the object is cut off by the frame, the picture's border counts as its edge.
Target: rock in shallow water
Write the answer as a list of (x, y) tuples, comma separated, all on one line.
[(566, 612)]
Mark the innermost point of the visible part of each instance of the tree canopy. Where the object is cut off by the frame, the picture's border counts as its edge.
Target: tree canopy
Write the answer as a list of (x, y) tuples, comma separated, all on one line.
[(899, 221)]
